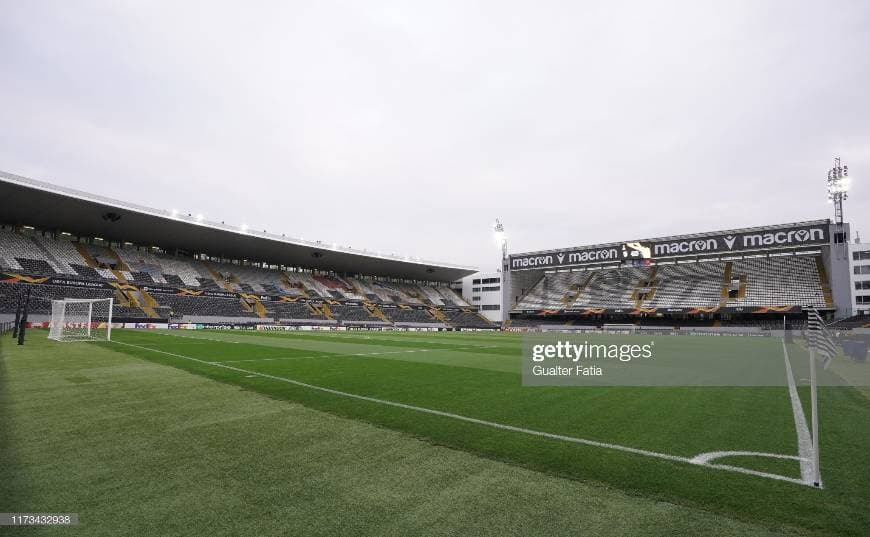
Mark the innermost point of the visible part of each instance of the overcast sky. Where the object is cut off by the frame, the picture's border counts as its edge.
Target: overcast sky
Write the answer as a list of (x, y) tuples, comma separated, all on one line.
[(408, 127)]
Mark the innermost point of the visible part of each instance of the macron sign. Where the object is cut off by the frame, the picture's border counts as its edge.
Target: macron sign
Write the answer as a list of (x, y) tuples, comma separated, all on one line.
[(756, 239)]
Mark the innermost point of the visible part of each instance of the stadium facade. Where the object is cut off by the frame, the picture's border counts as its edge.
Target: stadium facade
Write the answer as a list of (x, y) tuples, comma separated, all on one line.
[(750, 273), (164, 267), (860, 258), (483, 289)]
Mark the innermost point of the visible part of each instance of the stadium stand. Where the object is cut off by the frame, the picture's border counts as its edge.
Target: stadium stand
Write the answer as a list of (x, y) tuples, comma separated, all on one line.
[(181, 306), (855, 321), (402, 315), (687, 285), (42, 295), (780, 281), (178, 276), (466, 318), (295, 312), (763, 281), (354, 314)]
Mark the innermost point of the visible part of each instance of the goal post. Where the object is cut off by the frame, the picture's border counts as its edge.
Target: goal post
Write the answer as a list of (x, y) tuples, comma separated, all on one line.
[(81, 319)]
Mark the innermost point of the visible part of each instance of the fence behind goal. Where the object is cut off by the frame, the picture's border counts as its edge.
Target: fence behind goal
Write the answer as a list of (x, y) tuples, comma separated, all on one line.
[(79, 319)]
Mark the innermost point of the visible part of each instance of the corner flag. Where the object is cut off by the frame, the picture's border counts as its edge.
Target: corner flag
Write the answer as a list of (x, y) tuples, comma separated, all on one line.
[(820, 343), (819, 338)]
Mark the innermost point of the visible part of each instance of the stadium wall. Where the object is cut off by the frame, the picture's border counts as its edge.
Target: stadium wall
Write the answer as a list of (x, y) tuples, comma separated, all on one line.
[(836, 258)]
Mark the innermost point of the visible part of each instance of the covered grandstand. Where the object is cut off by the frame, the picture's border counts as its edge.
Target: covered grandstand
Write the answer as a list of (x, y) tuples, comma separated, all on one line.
[(160, 266), (751, 276)]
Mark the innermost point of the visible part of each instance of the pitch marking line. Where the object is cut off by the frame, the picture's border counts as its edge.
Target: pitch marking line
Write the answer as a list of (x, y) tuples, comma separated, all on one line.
[(583, 441), (805, 443)]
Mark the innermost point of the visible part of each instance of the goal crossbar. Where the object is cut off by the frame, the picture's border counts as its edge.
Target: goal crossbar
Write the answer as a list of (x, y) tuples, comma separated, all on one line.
[(81, 319)]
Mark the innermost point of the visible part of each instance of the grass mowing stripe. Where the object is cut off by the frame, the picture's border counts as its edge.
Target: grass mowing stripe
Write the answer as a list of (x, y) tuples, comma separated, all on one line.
[(196, 457), (681, 421), (473, 356), (328, 336), (327, 355), (485, 423)]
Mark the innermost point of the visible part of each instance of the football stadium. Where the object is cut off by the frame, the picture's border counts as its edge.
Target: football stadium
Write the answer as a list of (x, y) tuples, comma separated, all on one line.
[(109, 294), (672, 340)]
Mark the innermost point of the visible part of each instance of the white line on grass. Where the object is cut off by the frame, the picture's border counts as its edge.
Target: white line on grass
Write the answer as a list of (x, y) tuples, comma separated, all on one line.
[(805, 443), (332, 355), (705, 458), (494, 425)]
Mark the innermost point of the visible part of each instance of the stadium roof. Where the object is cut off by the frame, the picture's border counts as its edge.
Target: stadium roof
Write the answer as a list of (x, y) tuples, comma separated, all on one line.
[(26, 201), (689, 236)]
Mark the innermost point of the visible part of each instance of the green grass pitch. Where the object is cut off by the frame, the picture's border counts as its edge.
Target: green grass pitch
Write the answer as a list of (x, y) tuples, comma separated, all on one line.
[(469, 375)]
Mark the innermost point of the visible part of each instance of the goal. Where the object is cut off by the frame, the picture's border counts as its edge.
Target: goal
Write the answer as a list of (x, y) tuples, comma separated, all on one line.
[(81, 319)]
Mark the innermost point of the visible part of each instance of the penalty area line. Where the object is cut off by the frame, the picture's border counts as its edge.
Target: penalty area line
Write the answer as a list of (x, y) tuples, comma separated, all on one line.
[(485, 423)]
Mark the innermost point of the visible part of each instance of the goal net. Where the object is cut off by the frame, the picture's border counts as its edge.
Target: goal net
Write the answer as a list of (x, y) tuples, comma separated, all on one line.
[(80, 319)]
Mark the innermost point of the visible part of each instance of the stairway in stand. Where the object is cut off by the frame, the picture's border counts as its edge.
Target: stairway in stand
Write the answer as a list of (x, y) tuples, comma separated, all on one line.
[(130, 296), (86, 255), (438, 315), (314, 309), (650, 284), (376, 312), (726, 283), (291, 285), (253, 304), (148, 303), (826, 283), (574, 292), (216, 276), (119, 263)]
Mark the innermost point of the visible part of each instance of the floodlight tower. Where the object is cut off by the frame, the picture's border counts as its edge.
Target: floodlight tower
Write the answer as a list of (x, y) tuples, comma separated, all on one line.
[(500, 239), (838, 188)]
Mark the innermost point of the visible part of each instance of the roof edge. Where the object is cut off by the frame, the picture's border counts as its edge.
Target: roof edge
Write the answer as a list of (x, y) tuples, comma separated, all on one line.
[(193, 221)]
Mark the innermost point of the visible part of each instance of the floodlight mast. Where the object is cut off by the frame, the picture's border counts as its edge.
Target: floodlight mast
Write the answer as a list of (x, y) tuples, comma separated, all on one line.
[(838, 188), (501, 238)]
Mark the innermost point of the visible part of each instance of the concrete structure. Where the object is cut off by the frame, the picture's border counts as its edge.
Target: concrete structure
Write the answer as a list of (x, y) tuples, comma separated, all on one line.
[(483, 290), (859, 268)]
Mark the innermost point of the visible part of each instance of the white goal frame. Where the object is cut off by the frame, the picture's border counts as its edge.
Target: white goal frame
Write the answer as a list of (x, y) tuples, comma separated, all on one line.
[(81, 319)]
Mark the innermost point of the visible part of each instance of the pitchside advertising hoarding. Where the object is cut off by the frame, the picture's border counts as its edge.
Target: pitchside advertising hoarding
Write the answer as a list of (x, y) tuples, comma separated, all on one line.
[(792, 235), (585, 312)]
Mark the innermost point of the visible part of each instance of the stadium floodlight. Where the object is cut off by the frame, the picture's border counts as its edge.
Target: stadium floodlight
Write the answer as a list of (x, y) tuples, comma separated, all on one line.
[(838, 182), (174, 213), (500, 238), (244, 227), (199, 217), (81, 319)]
